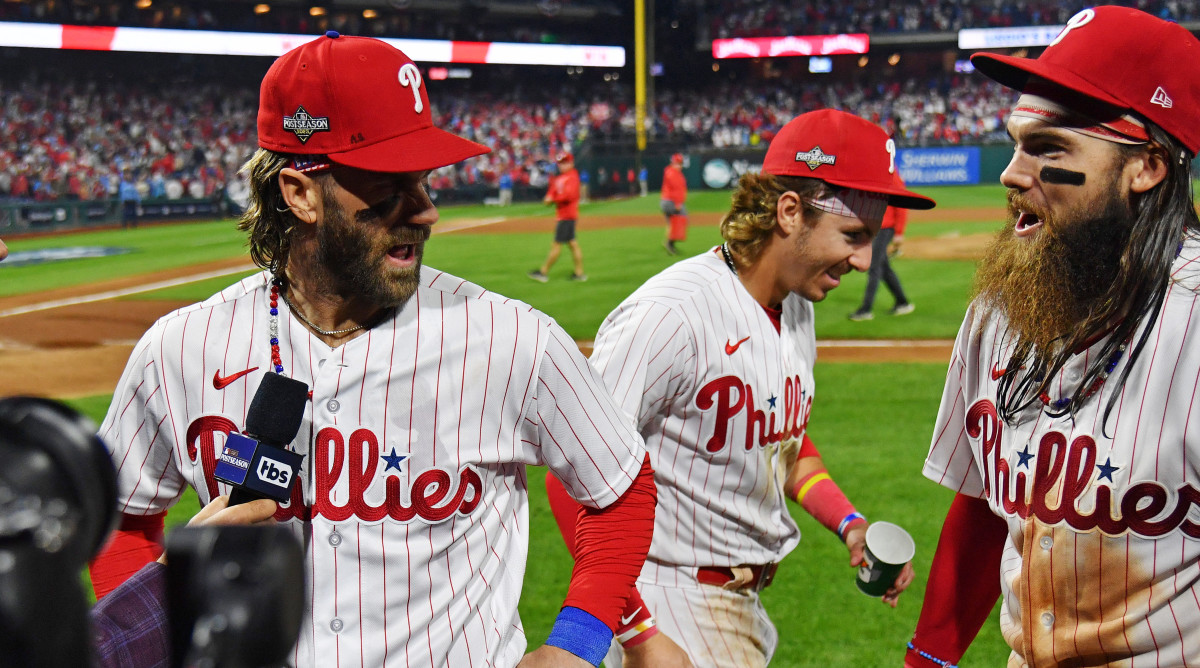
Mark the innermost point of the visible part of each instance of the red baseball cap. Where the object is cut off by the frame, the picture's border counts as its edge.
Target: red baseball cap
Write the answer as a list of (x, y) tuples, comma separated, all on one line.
[(358, 100), (564, 156), (677, 157), (840, 149), (1123, 57)]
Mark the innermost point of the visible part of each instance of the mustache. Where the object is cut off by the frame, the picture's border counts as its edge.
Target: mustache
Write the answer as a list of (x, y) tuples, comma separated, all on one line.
[(1018, 203), (411, 234)]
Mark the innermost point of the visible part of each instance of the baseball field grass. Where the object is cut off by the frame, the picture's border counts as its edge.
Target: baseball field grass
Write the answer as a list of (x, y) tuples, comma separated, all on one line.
[(872, 421)]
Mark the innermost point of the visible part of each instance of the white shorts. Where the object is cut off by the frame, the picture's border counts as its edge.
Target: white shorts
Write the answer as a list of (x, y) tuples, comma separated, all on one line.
[(718, 628)]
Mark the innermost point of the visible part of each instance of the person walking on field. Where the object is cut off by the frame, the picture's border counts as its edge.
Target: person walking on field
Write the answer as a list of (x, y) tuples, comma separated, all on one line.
[(564, 196), (885, 245), (428, 396), (1068, 426), (674, 195), (712, 360)]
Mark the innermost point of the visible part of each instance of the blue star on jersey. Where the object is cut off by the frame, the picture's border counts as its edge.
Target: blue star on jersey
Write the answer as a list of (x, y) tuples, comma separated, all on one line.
[(393, 460), (1106, 469)]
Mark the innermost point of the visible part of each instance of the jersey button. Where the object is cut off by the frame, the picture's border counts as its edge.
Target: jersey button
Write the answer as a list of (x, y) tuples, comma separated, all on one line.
[(334, 405), (1047, 619), (1046, 542), (335, 625), (335, 539)]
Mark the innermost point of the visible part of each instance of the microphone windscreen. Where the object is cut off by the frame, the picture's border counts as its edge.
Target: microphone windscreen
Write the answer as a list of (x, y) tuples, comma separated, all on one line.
[(277, 409)]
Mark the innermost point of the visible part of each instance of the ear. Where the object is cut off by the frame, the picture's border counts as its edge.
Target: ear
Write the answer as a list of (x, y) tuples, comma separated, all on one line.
[(1148, 169), (301, 195), (789, 213)]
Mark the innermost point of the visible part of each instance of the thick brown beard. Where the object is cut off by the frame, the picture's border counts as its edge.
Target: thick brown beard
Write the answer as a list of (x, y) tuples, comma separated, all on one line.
[(1047, 286), (355, 262)]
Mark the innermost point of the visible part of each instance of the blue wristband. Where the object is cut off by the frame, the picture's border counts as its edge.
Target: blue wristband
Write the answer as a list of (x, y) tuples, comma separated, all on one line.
[(845, 523), (581, 634)]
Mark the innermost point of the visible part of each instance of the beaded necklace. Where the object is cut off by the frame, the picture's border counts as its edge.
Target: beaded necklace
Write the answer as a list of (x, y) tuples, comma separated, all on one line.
[(273, 327), (1063, 402)]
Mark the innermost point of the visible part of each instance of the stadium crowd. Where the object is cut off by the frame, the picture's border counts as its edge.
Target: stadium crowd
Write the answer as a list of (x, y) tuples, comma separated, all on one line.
[(717, 18), (67, 139), (767, 18), (80, 138), (73, 140)]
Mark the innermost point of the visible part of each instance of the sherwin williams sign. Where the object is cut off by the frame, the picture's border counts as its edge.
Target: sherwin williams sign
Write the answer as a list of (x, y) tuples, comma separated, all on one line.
[(938, 166)]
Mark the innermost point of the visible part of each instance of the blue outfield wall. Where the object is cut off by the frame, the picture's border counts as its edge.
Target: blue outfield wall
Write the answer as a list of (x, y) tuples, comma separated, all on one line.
[(958, 165), (948, 165), (943, 165)]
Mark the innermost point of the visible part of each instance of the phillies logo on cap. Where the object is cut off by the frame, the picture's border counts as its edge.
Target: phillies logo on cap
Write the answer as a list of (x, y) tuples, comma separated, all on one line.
[(815, 158), (410, 76), (304, 125), (1078, 21)]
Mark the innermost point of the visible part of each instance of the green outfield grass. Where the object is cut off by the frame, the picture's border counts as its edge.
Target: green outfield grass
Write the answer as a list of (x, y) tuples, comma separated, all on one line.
[(617, 260)]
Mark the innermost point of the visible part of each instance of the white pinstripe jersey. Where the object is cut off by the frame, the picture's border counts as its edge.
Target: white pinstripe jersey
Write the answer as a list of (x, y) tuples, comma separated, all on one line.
[(722, 401), (415, 508), (1102, 564)]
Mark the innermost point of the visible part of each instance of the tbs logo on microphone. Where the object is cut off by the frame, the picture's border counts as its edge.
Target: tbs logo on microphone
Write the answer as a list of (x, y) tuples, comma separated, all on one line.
[(258, 468), (273, 472)]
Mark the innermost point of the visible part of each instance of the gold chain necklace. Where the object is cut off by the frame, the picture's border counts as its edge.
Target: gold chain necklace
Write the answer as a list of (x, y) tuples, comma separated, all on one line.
[(323, 332)]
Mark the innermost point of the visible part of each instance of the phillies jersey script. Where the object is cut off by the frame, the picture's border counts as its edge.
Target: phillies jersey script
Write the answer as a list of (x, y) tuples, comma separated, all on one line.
[(722, 401), (412, 503), (1102, 564)]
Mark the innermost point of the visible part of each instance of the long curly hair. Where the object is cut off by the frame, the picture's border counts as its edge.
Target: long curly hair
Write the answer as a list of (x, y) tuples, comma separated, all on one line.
[(267, 219), (1162, 217), (751, 218)]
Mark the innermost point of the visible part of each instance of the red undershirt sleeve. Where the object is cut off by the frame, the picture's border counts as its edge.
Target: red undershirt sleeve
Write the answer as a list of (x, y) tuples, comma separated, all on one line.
[(964, 582), (609, 545), (137, 542), (808, 448)]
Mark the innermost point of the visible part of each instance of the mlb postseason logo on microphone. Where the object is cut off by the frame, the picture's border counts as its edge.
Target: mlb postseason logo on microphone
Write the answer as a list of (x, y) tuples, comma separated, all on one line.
[(257, 467)]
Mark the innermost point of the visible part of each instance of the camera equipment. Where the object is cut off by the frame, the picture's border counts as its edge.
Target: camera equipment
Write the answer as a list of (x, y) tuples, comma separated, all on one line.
[(58, 498), (236, 595)]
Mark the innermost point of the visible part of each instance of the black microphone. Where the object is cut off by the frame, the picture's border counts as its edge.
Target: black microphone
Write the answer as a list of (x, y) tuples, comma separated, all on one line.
[(259, 465)]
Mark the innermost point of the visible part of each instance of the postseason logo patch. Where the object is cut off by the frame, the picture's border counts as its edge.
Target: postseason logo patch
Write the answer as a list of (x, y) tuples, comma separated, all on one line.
[(303, 125), (815, 158)]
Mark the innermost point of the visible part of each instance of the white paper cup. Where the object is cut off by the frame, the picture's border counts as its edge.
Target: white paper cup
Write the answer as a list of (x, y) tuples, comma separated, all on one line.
[(889, 547)]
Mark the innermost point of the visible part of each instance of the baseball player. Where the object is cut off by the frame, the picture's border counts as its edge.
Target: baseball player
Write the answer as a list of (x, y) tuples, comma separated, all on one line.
[(563, 195), (712, 359), (674, 194), (1066, 428), (429, 395), (891, 235)]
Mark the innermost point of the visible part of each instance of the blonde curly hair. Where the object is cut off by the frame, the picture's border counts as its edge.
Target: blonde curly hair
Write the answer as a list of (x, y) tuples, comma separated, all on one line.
[(751, 218)]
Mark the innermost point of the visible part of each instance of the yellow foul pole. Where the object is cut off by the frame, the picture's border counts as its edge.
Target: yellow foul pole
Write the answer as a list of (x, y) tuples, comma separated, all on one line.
[(639, 76)]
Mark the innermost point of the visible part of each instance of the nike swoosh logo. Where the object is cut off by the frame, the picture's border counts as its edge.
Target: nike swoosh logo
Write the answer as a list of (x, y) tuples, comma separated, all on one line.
[(626, 620), (221, 383), (997, 372), (731, 348)]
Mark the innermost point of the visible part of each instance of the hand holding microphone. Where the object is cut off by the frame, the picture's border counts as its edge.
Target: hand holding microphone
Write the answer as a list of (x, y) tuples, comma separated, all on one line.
[(258, 465)]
